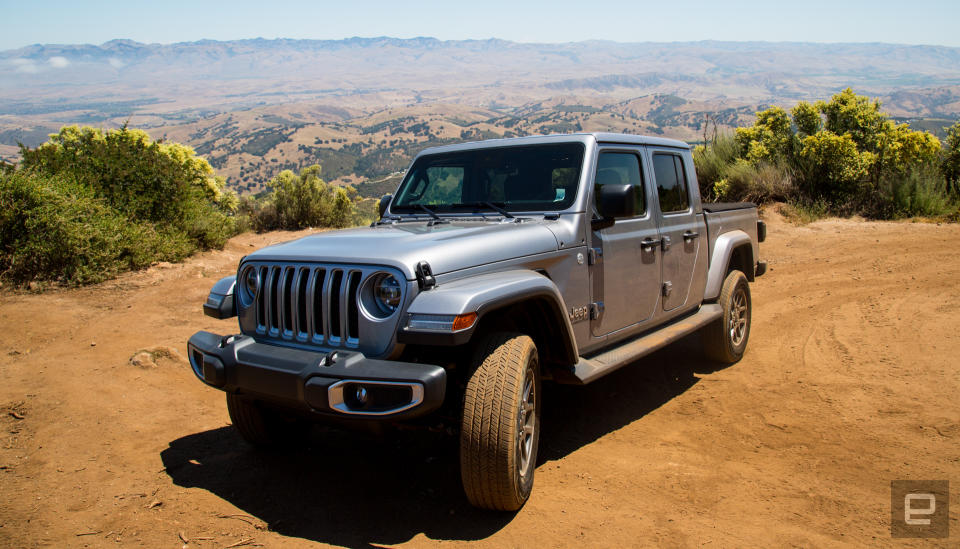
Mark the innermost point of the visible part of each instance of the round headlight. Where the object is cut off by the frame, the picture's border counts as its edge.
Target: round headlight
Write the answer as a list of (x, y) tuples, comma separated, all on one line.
[(386, 290), (251, 281)]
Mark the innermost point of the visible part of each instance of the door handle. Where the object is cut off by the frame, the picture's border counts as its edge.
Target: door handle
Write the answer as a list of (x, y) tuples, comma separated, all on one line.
[(690, 235), (649, 243)]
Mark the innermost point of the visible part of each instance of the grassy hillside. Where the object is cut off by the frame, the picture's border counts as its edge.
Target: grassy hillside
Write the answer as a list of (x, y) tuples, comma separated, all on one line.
[(368, 151)]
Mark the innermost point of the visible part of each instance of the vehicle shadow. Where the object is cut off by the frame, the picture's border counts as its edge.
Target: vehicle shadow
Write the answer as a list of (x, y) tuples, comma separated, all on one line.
[(356, 490)]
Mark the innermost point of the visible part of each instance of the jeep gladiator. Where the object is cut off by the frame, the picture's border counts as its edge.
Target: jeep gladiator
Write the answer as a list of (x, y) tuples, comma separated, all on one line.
[(496, 266)]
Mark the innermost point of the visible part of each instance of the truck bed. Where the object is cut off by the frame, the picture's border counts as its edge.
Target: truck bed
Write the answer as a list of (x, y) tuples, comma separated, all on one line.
[(724, 217), (714, 207)]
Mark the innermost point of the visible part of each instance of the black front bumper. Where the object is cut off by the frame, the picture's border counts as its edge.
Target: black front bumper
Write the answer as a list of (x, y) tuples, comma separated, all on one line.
[(342, 384)]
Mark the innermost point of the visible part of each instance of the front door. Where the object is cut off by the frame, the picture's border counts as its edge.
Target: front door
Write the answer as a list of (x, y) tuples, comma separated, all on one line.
[(625, 273), (679, 229)]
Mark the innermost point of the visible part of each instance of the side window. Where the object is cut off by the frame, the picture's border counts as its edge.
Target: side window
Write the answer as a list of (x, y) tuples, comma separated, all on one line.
[(671, 183), (615, 168)]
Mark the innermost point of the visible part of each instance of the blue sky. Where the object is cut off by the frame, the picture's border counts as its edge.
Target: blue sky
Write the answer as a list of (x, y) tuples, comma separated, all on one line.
[(24, 22)]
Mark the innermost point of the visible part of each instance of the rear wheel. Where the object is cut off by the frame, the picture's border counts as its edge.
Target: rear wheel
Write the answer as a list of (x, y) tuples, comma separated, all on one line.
[(726, 339), (500, 429), (261, 426)]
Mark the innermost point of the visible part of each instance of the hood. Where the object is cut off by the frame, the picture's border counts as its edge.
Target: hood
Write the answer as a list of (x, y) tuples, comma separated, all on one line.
[(447, 246)]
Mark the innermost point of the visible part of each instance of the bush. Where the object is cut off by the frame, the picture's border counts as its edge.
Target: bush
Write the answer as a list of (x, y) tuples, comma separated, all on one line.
[(144, 180), (921, 192), (761, 182), (844, 156), (52, 228), (712, 161), (301, 201), (90, 204), (950, 163)]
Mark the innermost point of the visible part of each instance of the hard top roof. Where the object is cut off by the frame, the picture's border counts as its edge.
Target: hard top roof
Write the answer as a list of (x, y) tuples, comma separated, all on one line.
[(600, 137)]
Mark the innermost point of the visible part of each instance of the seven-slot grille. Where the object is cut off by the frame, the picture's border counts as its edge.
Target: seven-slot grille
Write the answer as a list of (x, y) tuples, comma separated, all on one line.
[(312, 304)]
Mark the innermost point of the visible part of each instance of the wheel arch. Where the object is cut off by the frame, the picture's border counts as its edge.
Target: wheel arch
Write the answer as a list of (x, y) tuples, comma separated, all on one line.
[(539, 317), (519, 300), (732, 250)]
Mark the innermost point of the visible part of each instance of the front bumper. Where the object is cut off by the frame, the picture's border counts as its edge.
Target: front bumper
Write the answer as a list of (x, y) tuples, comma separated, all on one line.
[(341, 383)]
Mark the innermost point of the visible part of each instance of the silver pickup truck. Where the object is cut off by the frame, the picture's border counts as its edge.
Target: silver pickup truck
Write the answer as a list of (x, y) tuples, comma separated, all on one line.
[(496, 266)]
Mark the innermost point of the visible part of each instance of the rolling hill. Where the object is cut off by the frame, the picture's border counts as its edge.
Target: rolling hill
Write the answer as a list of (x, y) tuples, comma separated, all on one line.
[(363, 106)]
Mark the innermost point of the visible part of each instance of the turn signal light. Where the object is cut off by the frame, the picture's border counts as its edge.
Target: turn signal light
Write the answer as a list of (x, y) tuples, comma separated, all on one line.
[(462, 322)]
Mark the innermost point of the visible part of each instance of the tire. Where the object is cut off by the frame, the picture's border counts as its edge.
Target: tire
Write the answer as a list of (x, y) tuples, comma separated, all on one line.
[(262, 427), (725, 340), (500, 428)]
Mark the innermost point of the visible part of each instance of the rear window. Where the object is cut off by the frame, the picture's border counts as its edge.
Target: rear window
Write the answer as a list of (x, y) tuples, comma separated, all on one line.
[(671, 182)]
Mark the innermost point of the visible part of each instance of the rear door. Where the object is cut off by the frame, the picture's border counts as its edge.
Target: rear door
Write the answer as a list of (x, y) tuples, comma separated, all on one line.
[(625, 274), (680, 231)]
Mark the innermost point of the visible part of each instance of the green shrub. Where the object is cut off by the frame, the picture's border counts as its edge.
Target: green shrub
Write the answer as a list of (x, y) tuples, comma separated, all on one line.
[(90, 204), (760, 182), (950, 163), (301, 201), (144, 180), (922, 192), (52, 228), (843, 156), (712, 161)]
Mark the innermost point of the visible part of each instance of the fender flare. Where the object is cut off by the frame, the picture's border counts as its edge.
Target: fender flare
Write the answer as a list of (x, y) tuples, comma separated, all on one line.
[(483, 294), (723, 250)]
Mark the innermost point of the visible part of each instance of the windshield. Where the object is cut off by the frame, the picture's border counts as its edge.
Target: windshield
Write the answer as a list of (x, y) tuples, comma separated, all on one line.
[(514, 179)]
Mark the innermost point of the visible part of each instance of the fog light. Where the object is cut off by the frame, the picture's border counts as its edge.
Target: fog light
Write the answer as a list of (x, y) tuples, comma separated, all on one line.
[(361, 394)]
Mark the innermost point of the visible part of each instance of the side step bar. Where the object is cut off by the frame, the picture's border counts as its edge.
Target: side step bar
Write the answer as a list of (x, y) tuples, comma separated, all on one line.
[(591, 369)]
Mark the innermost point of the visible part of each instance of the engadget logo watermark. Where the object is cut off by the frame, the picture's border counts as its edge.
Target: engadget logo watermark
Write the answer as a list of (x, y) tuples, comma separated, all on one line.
[(920, 509)]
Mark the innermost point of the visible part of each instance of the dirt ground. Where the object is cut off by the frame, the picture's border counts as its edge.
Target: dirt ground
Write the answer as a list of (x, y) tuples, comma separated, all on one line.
[(850, 381)]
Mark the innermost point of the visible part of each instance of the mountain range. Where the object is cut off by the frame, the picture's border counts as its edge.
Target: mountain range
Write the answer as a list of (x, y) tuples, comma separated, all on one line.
[(285, 96)]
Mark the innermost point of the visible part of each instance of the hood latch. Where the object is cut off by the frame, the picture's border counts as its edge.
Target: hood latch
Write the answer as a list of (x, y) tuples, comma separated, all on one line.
[(425, 276)]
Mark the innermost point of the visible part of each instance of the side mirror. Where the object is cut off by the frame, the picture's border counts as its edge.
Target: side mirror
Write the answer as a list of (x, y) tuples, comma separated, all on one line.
[(385, 201), (220, 303), (615, 201)]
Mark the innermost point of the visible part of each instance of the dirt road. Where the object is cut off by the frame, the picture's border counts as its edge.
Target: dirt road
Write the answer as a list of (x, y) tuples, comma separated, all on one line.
[(851, 380)]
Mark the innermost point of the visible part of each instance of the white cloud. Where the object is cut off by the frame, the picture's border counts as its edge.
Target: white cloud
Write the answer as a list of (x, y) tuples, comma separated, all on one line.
[(25, 65), (116, 63), (58, 62)]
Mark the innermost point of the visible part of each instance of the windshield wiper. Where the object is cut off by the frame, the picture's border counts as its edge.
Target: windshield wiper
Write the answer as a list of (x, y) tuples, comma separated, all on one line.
[(433, 214), (490, 205)]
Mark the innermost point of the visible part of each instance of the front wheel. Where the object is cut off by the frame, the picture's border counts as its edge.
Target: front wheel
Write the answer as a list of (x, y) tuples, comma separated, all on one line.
[(726, 339), (500, 429)]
